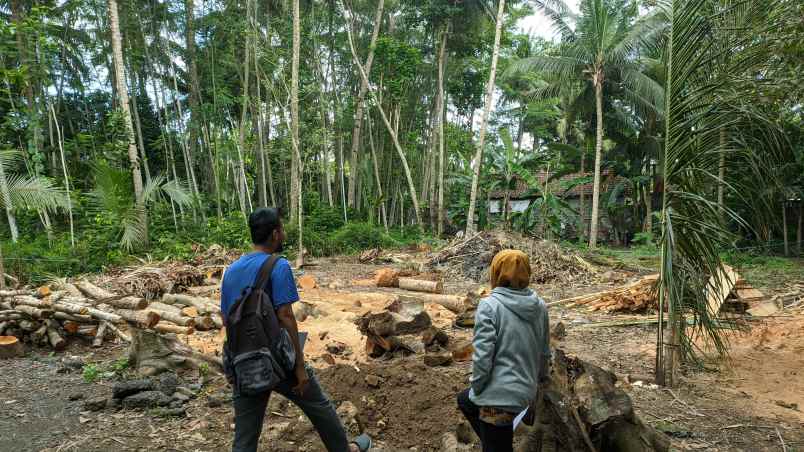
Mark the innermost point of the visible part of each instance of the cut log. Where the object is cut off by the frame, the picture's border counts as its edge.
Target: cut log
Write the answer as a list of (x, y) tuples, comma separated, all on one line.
[(159, 306), (39, 337), (173, 317), (11, 347), (306, 282), (35, 312), (463, 352), (70, 327), (28, 325), (145, 319), (101, 333), (217, 319), (386, 324), (3, 325), (421, 285), (455, 303), (70, 308), (13, 293), (114, 329), (167, 327), (104, 296), (13, 315), (434, 335), (204, 305), (28, 300), (387, 277), (88, 331), (77, 318), (151, 353), (190, 311), (56, 341), (204, 323), (369, 255), (377, 346)]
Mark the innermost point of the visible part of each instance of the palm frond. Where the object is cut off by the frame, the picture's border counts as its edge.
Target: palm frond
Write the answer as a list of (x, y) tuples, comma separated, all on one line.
[(38, 193)]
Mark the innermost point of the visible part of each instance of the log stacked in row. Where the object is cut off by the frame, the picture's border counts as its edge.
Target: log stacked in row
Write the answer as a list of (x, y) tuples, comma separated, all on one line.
[(47, 316)]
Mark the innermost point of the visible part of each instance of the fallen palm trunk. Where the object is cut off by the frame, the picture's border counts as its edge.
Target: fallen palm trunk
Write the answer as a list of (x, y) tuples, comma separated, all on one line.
[(455, 303), (167, 327), (99, 336), (179, 319), (151, 354), (639, 296)]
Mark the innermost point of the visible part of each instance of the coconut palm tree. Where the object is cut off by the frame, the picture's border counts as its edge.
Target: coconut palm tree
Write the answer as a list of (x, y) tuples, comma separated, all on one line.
[(598, 47), (704, 95)]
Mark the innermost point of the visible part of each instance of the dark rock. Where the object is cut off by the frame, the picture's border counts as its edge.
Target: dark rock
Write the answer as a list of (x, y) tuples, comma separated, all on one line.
[(337, 348), (438, 359), (373, 381), (176, 404), (464, 433), (72, 363), (75, 396), (115, 404), (168, 382), (147, 399), (123, 389), (95, 404), (216, 400)]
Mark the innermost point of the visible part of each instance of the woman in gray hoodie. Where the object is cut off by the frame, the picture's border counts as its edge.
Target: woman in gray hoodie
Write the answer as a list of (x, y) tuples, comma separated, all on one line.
[(511, 352)]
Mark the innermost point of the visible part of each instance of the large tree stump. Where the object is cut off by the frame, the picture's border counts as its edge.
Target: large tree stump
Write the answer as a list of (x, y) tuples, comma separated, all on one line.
[(582, 409), (151, 353), (11, 347)]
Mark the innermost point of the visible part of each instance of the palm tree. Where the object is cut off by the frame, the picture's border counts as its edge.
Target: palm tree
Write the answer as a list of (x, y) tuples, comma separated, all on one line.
[(598, 48), (122, 93), (704, 95), (478, 161)]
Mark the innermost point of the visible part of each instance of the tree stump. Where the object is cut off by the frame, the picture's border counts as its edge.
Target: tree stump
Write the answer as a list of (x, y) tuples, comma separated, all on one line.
[(582, 409), (11, 347), (151, 354)]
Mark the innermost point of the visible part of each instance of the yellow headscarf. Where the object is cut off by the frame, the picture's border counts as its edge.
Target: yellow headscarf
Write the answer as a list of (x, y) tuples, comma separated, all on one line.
[(510, 268)]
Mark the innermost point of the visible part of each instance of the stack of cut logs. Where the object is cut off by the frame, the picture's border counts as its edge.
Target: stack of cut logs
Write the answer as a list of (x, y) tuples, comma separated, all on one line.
[(50, 314), (636, 297)]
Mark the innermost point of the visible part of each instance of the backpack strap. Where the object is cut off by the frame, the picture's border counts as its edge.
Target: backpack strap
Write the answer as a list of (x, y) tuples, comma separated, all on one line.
[(264, 277)]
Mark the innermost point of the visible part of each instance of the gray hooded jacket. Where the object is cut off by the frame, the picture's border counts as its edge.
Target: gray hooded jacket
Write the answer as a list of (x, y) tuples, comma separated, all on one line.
[(512, 349)]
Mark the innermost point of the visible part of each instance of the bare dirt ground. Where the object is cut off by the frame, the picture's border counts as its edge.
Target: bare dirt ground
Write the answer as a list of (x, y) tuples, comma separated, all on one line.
[(753, 405)]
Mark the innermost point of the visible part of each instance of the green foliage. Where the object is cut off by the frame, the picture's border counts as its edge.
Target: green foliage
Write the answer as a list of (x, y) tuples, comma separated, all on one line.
[(91, 373), (643, 239)]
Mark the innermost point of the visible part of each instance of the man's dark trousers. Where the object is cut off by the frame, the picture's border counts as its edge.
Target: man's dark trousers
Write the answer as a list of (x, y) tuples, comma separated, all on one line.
[(494, 438), (250, 413)]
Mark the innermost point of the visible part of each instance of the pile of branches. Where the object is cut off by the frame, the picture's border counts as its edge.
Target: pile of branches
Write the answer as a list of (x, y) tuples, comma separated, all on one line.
[(51, 314), (471, 258)]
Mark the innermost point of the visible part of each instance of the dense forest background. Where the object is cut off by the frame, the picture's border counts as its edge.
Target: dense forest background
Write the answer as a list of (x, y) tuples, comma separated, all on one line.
[(133, 127)]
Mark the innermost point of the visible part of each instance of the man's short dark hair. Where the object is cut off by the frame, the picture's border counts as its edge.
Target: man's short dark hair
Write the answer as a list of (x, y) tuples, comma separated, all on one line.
[(262, 223)]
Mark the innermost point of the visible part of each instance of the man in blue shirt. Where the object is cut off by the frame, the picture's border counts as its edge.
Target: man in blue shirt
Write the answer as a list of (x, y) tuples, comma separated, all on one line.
[(302, 388)]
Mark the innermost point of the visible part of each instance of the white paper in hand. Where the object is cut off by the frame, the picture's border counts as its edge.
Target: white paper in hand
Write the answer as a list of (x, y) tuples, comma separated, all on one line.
[(519, 417)]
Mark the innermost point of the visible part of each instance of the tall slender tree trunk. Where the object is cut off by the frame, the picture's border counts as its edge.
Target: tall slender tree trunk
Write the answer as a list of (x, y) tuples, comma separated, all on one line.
[(263, 184), (598, 82), (12, 220), (60, 138), (122, 93), (359, 103), (784, 228), (377, 174), (394, 136), (294, 124), (442, 63), (478, 161), (800, 232), (140, 142), (582, 202), (194, 99), (241, 142)]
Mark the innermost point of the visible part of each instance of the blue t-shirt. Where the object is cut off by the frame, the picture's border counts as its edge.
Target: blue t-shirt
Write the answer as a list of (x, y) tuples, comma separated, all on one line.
[(243, 274)]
